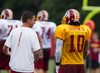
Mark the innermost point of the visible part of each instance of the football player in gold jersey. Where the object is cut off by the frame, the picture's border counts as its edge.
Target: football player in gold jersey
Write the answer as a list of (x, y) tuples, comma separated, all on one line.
[(71, 44)]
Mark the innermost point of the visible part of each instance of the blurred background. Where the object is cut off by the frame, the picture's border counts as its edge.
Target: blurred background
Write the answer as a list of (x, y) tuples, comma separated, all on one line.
[(89, 10), (55, 8)]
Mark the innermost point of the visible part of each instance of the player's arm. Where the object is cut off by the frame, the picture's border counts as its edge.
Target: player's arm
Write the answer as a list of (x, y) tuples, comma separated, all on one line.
[(39, 34), (54, 40), (87, 43), (36, 46), (53, 29), (36, 55), (40, 41), (59, 44), (7, 45), (6, 50)]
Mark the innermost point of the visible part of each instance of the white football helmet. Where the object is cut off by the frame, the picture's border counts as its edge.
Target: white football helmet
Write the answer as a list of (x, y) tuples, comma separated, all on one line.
[(73, 15), (7, 14), (43, 15)]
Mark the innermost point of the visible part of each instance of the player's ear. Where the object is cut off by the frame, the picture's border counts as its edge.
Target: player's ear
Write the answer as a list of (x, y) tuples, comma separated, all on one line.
[(0, 17), (28, 20)]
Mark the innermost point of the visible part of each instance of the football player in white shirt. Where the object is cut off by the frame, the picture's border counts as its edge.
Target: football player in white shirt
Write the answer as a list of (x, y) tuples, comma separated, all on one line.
[(24, 44), (6, 26), (48, 29)]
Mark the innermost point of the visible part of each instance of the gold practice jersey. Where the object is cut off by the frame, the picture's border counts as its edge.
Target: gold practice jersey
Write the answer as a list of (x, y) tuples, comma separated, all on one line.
[(74, 38)]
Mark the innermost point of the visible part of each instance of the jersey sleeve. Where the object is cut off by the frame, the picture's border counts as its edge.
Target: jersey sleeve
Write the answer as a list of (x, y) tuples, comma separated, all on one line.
[(9, 40), (59, 33), (89, 32), (35, 42)]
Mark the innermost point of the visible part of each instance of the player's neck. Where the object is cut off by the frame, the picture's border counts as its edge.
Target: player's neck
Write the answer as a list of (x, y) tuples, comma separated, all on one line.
[(25, 25)]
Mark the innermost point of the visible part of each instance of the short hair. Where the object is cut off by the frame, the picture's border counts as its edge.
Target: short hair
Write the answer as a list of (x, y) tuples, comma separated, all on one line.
[(27, 15)]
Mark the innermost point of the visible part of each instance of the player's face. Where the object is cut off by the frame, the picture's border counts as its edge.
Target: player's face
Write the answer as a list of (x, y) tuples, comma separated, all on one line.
[(32, 21)]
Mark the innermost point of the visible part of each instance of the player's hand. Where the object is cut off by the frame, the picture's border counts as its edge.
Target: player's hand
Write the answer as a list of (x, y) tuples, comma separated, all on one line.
[(57, 68), (41, 54)]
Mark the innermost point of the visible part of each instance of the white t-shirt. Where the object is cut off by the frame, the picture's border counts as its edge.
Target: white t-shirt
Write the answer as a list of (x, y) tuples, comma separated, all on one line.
[(23, 42), (48, 29), (6, 26)]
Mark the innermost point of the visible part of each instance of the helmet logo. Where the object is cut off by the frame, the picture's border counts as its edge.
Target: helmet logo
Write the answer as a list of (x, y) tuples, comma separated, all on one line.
[(73, 15), (6, 14), (43, 17)]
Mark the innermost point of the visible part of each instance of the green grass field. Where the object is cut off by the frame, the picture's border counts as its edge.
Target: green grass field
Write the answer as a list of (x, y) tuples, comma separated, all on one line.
[(51, 66)]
